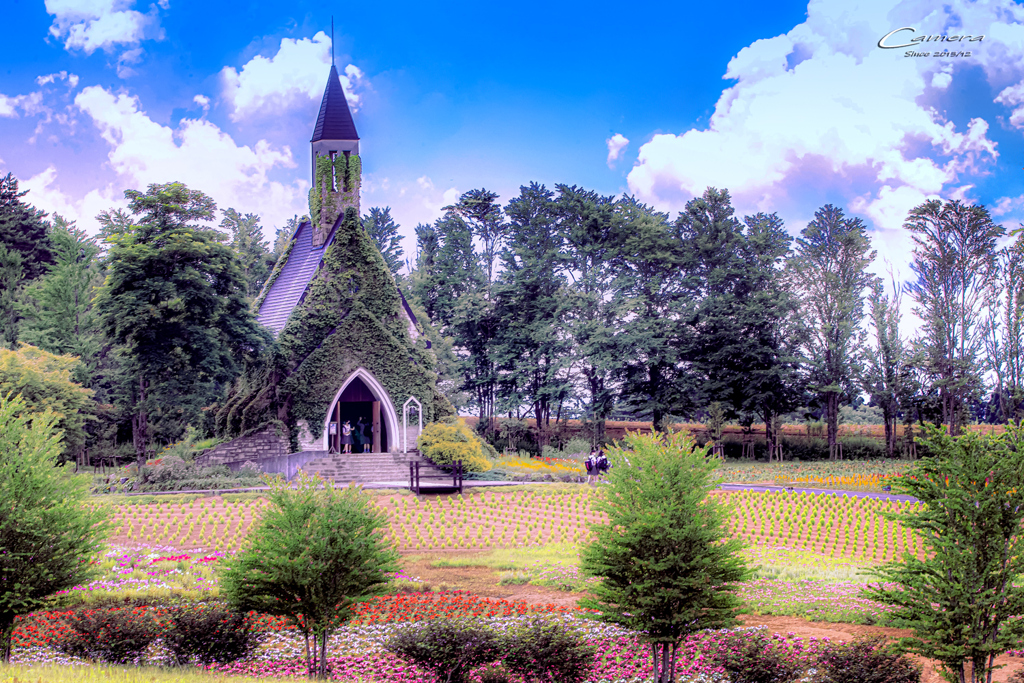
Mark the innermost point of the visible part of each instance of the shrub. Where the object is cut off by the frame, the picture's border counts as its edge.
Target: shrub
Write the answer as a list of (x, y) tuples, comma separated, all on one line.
[(316, 552), (118, 635), (548, 651), (864, 661), (449, 648), (443, 443), (754, 657), (208, 634), (577, 446)]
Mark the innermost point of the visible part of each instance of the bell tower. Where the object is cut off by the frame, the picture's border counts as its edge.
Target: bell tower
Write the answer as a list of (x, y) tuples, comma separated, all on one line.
[(335, 156)]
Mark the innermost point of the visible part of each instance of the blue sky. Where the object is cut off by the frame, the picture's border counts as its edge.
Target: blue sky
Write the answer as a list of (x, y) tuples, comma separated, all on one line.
[(788, 105)]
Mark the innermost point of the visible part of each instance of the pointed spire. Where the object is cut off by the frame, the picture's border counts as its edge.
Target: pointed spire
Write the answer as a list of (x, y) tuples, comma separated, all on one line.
[(335, 120)]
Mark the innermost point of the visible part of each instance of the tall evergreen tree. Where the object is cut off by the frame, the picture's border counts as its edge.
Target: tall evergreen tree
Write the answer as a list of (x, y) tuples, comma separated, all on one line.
[(482, 213), (423, 280), (530, 349), (252, 250), (174, 299), (772, 329), (58, 308), (718, 279), (591, 231), (829, 273), (885, 360), (383, 230), (1004, 333), (25, 253), (955, 264), (655, 380), (23, 229)]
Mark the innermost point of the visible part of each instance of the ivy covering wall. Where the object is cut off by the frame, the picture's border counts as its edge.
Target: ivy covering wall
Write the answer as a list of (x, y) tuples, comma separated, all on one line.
[(351, 316)]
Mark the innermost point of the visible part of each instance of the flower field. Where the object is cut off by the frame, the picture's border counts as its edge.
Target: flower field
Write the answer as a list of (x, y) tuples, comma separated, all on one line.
[(357, 652), (853, 475), (833, 526)]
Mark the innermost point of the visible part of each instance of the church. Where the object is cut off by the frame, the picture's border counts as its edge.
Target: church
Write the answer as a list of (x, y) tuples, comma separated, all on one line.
[(348, 347)]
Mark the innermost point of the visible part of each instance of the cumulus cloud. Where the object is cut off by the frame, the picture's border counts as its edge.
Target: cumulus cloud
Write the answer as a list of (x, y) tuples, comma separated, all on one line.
[(616, 145), (822, 111), (197, 153), (45, 193), (91, 25), (295, 74)]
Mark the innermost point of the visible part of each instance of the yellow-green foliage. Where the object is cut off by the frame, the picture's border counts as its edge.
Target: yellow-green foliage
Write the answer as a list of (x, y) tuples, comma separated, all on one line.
[(444, 443), (44, 382)]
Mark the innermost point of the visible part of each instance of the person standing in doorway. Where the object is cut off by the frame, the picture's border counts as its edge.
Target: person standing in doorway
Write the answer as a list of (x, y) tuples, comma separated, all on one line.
[(360, 436), (346, 437)]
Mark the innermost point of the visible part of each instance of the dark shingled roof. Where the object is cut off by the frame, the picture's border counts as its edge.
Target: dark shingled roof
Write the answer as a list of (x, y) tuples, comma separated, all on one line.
[(335, 120), (291, 283)]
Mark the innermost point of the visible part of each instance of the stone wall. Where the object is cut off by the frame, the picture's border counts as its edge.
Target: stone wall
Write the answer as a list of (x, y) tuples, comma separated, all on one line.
[(263, 444)]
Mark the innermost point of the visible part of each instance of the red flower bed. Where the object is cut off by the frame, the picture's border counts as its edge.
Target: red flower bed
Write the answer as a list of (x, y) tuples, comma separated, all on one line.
[(41, 629)]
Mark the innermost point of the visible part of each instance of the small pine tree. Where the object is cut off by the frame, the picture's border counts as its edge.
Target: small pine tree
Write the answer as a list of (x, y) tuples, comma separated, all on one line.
[(961, 598), (48, 532), (667, 564), (316, 553)]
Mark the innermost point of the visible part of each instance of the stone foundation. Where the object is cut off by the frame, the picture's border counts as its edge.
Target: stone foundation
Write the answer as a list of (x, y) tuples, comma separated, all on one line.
[(267, 443)]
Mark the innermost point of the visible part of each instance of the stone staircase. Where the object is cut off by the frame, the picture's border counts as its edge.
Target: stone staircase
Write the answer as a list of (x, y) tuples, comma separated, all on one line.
[(364, 468)]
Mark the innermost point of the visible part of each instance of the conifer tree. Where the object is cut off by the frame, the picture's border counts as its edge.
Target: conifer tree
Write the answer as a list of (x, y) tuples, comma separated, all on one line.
[(252, 250), (955, 264), (962, 599), (58, 308), (383, 230), (668, 565), (317, 552), (48, 530), (830, 276)]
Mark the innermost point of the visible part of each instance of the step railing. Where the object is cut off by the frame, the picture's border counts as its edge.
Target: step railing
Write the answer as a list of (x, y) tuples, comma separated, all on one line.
[(416, 476)]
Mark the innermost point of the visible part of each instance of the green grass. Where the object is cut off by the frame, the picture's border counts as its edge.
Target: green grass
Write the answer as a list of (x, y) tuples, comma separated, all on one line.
[(786, 564), (511, 558), (51, 673)]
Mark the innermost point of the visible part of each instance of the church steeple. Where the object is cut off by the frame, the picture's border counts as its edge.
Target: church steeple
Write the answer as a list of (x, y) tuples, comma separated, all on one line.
[(335, 131), (336, 165)]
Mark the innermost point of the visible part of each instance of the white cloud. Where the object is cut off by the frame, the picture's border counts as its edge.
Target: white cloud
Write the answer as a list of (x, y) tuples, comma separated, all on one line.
[(616, 145), (203, 101), (70, 79), (822, 110), (29, 104), (45, 194), (91, 25), (197, 153), (297, 73)]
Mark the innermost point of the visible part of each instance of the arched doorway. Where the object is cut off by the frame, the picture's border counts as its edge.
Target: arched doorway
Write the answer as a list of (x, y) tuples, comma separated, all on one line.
[(362, 399)]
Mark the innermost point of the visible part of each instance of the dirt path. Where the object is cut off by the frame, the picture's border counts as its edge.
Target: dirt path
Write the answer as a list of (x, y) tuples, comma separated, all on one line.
[(824, 629), (482, 581)]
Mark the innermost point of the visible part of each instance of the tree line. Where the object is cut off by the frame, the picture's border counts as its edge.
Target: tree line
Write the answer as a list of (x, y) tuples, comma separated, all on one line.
[(559, 304), (567, 303)]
